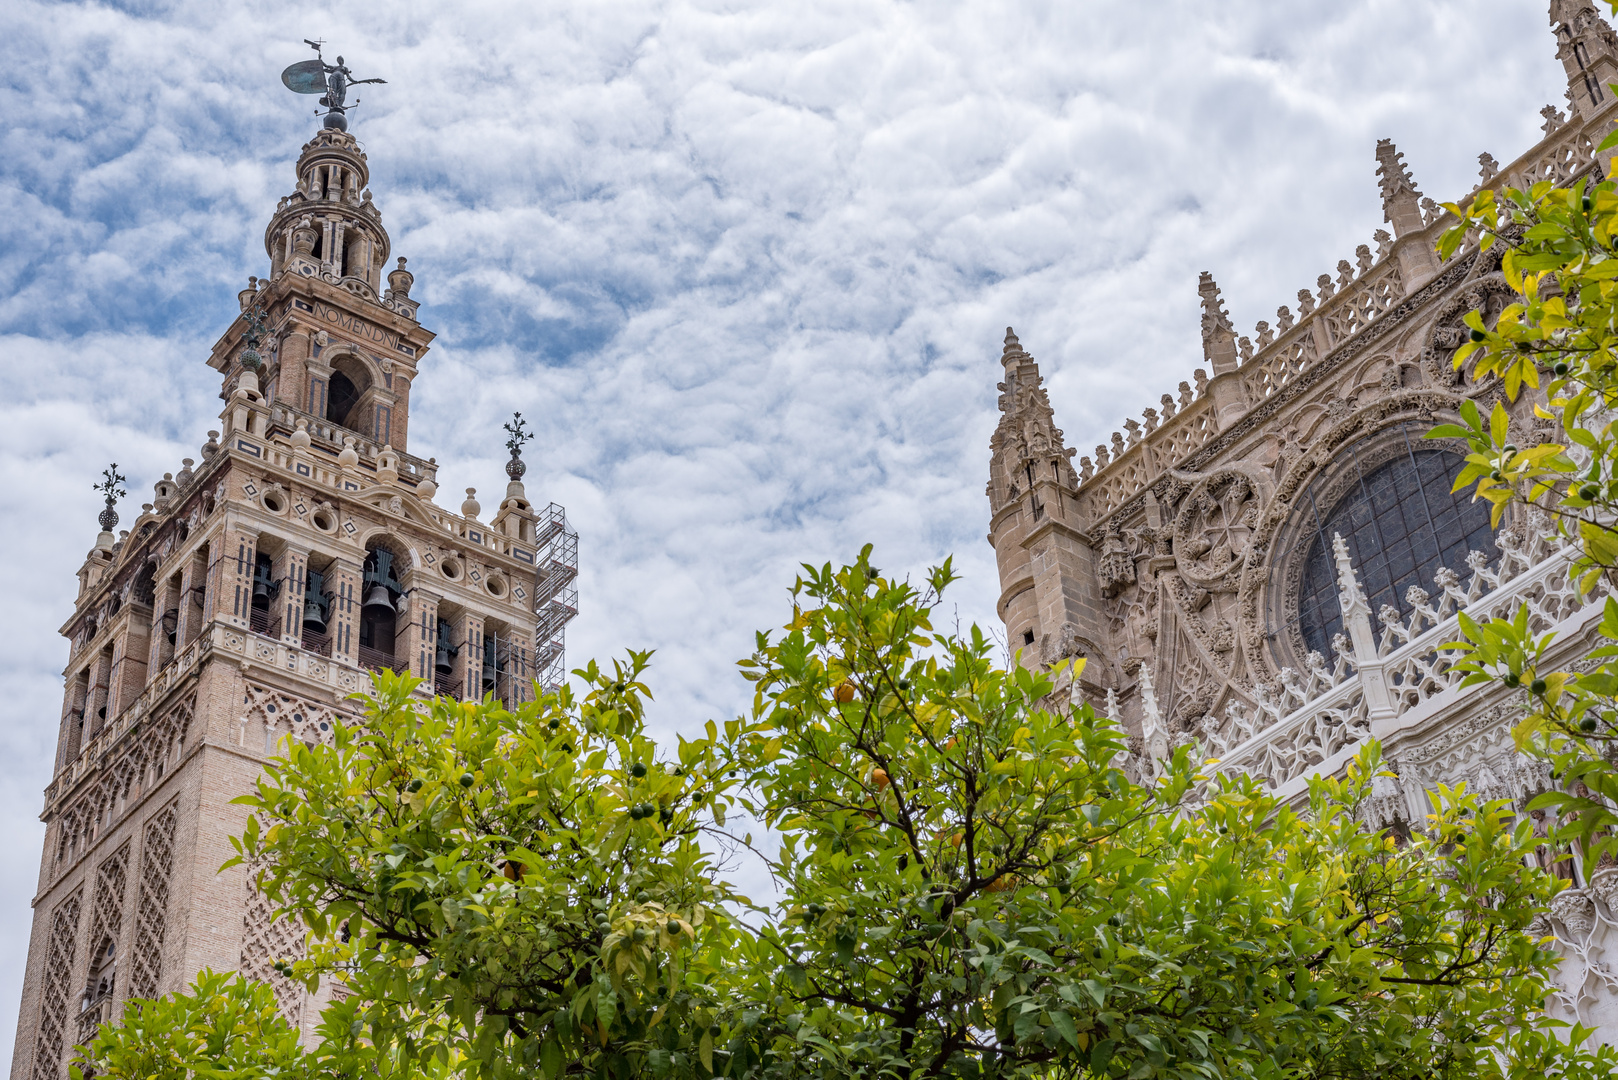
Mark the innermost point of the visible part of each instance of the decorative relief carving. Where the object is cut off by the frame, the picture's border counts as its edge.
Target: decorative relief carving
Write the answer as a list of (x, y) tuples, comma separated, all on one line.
[(53, 1007), (1214, 525), (106, 920), (266, 941), (1448, 331), (139, 762), (1117, 566), (151, 916), (268, 716)]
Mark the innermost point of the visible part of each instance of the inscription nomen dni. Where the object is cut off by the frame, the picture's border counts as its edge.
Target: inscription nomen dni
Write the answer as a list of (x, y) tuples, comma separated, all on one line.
[(349, 323)]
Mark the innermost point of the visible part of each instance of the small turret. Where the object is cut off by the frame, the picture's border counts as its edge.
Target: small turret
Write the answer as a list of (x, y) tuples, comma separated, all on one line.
[(1588, 50)]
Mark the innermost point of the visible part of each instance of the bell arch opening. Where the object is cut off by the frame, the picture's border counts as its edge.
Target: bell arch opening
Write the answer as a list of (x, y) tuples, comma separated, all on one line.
[(349, 381)]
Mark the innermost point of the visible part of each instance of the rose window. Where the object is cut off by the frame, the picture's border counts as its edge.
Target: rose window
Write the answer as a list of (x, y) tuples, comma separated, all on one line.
[(1402, 523)]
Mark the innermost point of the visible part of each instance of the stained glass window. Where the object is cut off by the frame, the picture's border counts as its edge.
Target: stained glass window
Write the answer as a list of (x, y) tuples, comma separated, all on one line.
[(1401, 523)]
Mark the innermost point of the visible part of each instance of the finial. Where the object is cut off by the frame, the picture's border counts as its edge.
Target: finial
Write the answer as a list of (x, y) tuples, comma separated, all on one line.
[(329, 80), (254, 318), (518, 430), (1013, 347), (1218, 335), (1401, 201), (1488, 168), (112, 489), (400, 280)]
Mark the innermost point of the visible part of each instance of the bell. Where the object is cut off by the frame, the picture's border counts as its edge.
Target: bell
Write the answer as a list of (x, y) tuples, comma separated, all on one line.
[(263, 579), (444, 655), (314, 604), (378, 598)]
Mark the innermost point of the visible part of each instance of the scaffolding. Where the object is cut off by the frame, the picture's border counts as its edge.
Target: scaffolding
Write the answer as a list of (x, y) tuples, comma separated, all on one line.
[(556, 601)]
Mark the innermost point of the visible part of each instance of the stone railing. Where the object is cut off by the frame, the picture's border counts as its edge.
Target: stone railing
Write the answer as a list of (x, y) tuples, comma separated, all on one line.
[(1296, 727), (97, 747), (1562, 157), (319, 469), (1340, 309), (329, 437), (1146, 455)]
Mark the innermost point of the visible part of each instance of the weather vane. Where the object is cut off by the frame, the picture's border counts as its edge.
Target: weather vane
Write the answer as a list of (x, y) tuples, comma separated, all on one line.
[(518, 430), (112, 489), (331, 81)]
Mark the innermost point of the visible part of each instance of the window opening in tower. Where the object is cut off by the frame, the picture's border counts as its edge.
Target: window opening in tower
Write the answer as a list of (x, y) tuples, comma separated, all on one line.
[(444, 653), (379, 613), (341, 397), (264, 590), (316, 614)]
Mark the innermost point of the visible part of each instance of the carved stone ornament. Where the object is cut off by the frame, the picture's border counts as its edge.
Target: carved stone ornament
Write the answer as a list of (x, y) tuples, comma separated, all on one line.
[(1214, 526), (1117, 567), (1488, 293)]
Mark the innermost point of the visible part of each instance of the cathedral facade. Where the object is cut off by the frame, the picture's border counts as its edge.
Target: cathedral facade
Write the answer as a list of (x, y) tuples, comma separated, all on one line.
[(248, 600), (1267, 561)]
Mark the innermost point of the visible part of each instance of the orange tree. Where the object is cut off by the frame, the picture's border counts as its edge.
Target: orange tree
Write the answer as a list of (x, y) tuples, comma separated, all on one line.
[(1555, 249), (970, 884)]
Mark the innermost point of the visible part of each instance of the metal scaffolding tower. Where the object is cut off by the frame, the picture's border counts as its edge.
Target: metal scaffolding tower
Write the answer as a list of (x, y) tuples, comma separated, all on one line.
[(556, 601)]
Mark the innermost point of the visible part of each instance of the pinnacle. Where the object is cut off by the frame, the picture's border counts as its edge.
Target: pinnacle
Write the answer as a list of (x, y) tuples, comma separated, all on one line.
[(1391, 168), (1213, 305), (1400, 196), (1013, 349)]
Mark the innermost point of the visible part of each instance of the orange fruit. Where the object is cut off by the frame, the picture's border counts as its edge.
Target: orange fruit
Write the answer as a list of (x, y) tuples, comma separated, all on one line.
[(845, 692), (879, 777)]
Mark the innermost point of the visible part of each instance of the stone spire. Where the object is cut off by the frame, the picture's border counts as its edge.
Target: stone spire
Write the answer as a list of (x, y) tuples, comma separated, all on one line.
[(1401, 200), (1401, 208), (1049, 599), (1218, 335), (1589, 51), (1027, 443)]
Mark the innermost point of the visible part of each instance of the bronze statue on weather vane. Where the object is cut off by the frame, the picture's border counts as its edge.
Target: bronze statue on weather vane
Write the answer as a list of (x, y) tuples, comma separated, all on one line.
[(331, 81)]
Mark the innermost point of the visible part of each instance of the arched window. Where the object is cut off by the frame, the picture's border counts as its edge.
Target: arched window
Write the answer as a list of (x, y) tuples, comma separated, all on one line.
[(381, 590), (1402, 523), (341, 397)]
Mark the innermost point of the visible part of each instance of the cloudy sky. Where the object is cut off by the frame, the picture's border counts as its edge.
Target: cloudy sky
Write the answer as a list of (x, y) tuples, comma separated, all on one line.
[(748, 265)]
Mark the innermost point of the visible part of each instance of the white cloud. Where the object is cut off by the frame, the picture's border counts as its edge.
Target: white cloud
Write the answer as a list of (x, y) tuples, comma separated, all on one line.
[(746, 266)]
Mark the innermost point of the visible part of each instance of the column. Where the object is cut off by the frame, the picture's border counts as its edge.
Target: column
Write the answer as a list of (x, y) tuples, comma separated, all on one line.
[(343, 583)]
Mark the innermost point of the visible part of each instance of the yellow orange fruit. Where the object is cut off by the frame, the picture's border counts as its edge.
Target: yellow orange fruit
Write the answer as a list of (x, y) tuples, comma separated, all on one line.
[(845, 692)]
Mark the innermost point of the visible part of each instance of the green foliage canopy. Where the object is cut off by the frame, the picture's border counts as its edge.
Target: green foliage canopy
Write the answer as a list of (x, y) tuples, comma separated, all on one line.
[(970, 885)]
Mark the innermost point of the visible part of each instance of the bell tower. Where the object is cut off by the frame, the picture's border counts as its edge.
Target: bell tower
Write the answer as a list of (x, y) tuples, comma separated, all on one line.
[(248, 599)]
